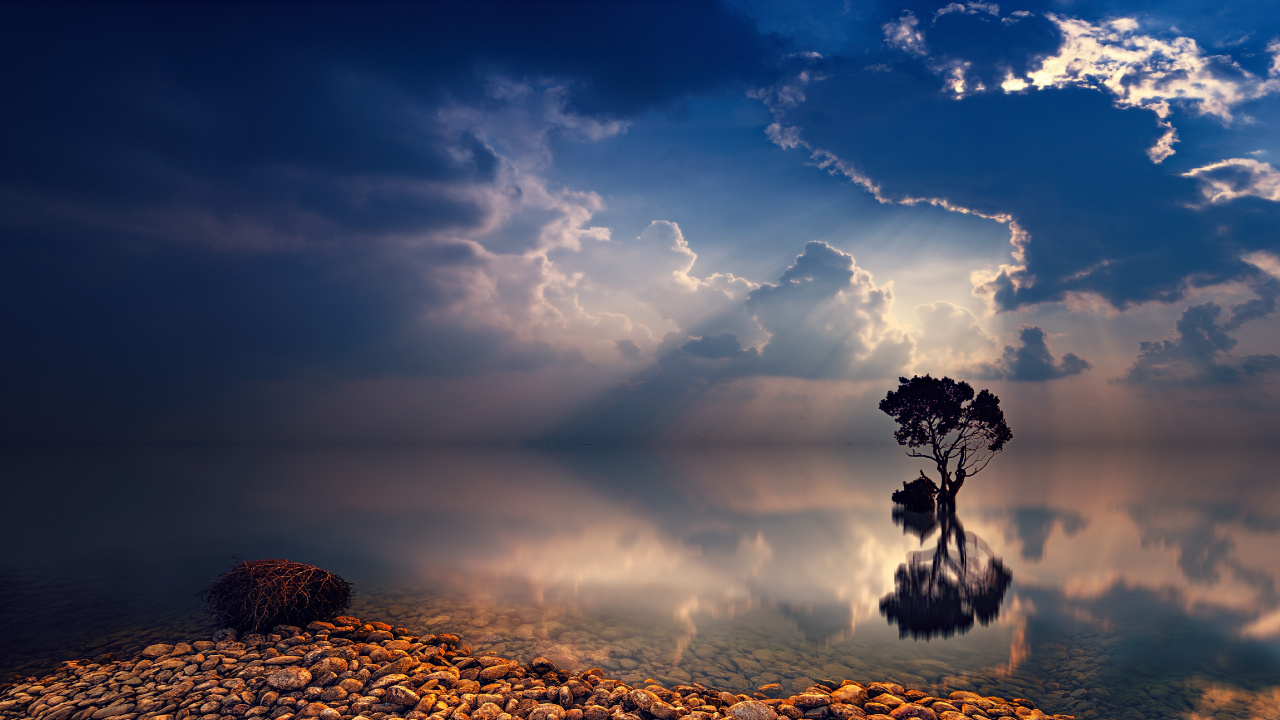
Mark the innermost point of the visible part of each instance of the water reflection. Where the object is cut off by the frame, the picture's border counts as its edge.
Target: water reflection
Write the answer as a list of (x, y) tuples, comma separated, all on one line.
[(730, 566), (941, 592)]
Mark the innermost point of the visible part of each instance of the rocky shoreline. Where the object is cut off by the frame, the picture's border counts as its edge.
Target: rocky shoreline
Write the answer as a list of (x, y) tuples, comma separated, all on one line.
[(350, 669)]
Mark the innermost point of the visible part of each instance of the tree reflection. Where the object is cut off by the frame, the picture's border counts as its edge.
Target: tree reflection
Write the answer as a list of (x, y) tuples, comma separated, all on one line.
[(941, 592), (920, 524)]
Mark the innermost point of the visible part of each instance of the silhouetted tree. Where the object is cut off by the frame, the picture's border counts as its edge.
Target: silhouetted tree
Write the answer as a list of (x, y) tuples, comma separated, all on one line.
[(941, 419)]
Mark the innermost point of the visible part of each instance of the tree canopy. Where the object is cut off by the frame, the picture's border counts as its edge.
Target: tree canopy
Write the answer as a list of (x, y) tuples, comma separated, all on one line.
[(942, 420)]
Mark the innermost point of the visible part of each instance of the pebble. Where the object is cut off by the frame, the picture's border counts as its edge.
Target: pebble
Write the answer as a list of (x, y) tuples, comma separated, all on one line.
[(349, 669), (751, 710), (289, 678)]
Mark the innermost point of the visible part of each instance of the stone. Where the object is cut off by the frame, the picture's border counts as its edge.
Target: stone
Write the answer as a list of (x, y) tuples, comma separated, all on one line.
[(403, 665), (546, 711), (387, 681), (853, 694), (876, 708), (114, 710), (643, 699), (663, 711), (843, 711), (157, 650), (289, 678), (811, 701), (401, 695), (335, 665), (919, 712), (333, 694), (283, 660), (750, 710)]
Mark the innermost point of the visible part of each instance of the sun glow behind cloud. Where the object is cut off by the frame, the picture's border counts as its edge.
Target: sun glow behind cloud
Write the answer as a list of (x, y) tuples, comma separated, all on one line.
[(538, 241)]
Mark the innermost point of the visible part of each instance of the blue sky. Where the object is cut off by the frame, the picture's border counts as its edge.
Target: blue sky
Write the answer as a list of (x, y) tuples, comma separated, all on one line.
[(637, 221)]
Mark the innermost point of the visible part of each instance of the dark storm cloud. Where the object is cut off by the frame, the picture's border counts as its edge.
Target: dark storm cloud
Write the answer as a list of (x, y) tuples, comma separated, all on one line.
[(725, 345), (1032, 360), (197, 194), (1199, 353), (1068, 165), (280, 109)]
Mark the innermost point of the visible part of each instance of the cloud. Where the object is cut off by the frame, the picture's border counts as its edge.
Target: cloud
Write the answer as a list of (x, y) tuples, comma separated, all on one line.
[(725, 345), (1137, 70), (1236, 178), (1199, 354), (905, 34), (970, 8), (343, 198), (1144, 71), (1065, 168), (649, 282), (949, 338), (826, 318), (1033, 361)]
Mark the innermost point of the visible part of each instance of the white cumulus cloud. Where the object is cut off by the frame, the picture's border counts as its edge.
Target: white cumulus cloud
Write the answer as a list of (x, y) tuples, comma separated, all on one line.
[(1234, 178), (1148, 72), (905, 34)]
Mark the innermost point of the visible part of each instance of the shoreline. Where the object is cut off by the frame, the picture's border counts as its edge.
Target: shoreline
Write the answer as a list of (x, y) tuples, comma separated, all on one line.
[(356, 670)]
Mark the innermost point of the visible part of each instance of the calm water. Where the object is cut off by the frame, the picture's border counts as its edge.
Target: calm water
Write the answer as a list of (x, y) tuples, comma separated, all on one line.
[(1112, 583)]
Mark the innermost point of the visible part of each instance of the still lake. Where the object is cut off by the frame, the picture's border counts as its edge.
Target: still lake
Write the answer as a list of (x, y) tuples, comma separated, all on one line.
[(1131, 582)]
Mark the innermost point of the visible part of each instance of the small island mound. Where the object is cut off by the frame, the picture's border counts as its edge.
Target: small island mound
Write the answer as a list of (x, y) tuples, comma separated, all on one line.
[(356, 670)]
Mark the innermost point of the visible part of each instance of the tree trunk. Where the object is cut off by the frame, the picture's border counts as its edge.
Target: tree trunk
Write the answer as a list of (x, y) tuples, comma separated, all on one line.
[(946, 495), (953, 489)]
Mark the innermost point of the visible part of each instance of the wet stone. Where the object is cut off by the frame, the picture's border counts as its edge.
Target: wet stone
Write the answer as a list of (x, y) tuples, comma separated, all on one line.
[(289, 678), (401, 695), (751, 710), (842, 711), (918, 712)]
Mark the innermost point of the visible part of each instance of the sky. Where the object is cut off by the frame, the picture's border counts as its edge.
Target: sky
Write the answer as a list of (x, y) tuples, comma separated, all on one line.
[(677, 222)]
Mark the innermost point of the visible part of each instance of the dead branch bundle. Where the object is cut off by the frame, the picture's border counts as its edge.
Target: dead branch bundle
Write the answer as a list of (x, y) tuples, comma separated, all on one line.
[(256, 595)]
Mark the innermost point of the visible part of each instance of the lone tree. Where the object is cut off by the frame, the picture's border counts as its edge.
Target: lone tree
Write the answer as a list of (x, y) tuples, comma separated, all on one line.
[(940, 419)]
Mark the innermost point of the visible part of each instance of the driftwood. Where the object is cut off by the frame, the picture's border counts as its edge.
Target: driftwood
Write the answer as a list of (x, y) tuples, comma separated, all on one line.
[(257, 595)]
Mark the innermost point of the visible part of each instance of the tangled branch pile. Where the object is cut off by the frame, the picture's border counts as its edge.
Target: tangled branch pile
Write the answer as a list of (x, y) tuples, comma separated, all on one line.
[(257, 595)]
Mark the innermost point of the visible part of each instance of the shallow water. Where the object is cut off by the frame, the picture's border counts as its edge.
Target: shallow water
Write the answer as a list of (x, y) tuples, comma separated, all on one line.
[(1143, 580)]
